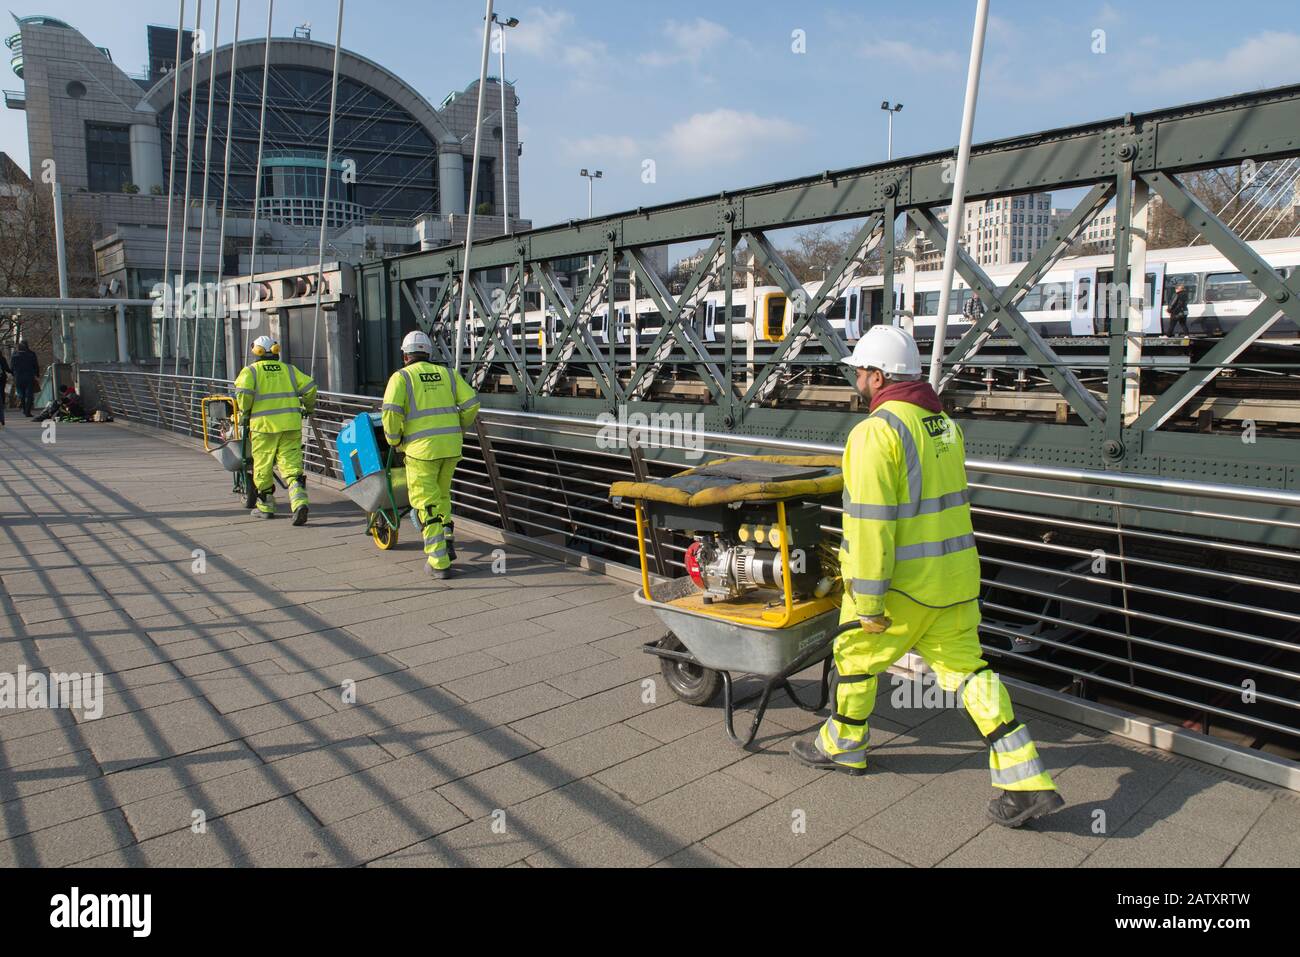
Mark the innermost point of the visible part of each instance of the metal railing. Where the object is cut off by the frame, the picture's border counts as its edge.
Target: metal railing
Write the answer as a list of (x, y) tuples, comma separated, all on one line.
[(1199, 629)]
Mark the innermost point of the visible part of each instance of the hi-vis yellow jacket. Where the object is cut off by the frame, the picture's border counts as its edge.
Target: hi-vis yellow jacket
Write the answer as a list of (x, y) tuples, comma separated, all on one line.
[(427, 409), (907, 523), (273, 395)]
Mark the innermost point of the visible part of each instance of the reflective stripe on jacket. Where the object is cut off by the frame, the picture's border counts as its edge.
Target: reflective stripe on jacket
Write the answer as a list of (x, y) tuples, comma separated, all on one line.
[(907, 521), (273, 395), (427, 409)]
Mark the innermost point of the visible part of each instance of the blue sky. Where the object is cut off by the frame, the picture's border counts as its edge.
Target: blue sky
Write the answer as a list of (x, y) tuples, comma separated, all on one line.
[(718, 98)]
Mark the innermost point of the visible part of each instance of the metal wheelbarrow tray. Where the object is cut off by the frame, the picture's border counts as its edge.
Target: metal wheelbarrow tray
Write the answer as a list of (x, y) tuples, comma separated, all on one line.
[(229, 456), (702, 644), (371, 492)]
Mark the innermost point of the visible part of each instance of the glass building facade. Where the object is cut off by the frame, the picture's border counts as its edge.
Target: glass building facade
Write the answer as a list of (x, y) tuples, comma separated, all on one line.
[(396, 162)]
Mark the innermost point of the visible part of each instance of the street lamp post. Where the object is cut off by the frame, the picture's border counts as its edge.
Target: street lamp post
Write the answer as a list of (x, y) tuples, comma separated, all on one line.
[(891, 110), (591, 177), (502, 26)]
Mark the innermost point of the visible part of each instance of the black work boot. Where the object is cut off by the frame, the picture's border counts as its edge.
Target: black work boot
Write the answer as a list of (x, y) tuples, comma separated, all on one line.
[(806, 751), (300, 517), (449, 531), (1014, 808), (439, 574)]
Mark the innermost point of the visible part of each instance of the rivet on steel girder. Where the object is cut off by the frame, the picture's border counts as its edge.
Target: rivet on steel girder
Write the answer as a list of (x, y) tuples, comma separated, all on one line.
[(729, 216), (611, 235), (1128, 152), (1282, 295), (520, 250), (1113, 449), (891, 189)]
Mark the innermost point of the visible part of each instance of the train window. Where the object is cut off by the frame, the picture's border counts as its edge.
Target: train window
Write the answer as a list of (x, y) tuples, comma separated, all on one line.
[(839, 310), (1033, 300), (1190, 280), (776, 317), (1229, 286)]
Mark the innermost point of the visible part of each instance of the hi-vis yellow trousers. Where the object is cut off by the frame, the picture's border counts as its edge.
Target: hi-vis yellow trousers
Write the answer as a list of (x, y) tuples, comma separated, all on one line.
[(428, 484), (948, 640)]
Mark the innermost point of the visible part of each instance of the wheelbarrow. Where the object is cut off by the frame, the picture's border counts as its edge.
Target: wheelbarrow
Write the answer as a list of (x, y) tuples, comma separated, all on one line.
[(376, 480), (751, 604), (701, 653), (232, 453)]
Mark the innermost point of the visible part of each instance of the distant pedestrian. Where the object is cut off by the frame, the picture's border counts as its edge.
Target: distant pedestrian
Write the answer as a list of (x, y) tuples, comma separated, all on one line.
[(1178, 311), (27, 372), (973, 311), (5, 372)]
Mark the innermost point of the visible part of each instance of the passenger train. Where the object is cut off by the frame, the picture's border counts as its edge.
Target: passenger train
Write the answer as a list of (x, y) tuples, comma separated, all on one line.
[(1077, 297)]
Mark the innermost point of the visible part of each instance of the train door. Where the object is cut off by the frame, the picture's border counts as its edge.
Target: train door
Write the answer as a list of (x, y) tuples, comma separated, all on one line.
[(774, 310), (853, 314), (898, 303), (710, 311), (1083, 302), (1153, 299), (599, 328), (620, 329)]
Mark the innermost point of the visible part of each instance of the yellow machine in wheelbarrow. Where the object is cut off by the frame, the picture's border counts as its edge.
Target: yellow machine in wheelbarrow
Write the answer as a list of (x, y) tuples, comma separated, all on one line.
[(762, 592)]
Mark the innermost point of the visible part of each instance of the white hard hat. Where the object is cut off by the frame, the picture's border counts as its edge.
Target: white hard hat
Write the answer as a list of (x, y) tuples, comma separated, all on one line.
[(889, 349), (417, 344), (265, 346)]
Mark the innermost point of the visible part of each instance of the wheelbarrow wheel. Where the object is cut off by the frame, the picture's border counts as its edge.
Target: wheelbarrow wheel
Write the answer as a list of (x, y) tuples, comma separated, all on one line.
[(693, 684), (385, 536)]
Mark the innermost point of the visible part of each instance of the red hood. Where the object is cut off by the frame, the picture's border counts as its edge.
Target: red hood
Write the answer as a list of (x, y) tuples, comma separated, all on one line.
[(918, 393)]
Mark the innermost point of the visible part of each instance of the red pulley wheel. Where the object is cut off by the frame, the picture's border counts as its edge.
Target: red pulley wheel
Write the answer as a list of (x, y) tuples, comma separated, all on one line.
[(693, 564)]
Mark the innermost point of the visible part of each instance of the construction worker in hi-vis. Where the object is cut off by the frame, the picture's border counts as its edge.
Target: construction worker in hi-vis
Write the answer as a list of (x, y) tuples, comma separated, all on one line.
[(273, 396), (427, 409), (912, 577)]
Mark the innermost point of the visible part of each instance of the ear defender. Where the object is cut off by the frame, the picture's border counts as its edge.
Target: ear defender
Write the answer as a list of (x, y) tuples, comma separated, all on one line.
[(275, 349)]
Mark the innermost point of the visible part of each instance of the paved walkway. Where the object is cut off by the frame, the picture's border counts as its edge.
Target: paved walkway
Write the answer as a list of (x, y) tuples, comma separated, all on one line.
[(498, 719)]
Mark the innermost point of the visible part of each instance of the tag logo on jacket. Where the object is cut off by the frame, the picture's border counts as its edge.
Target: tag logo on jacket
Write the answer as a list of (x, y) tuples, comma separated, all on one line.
[(430, 377), (272, 367), (936, 425)]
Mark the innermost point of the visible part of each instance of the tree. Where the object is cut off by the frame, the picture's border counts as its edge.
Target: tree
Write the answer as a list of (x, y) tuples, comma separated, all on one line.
[(29, 267), (1254, 199)]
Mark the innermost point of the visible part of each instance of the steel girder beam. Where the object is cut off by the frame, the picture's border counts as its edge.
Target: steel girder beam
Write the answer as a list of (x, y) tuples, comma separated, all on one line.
[(431, 319), (809, 310), (576, 335), (1279, 298), (1042, 261), (1083, 402), (498, 333), (678, 317)]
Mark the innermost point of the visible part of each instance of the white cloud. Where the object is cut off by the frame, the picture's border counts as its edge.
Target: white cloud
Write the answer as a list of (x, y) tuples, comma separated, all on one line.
[(688, 42), (550, 34), (539, 33), (725, 136), (900, 53), (1269, 59)]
